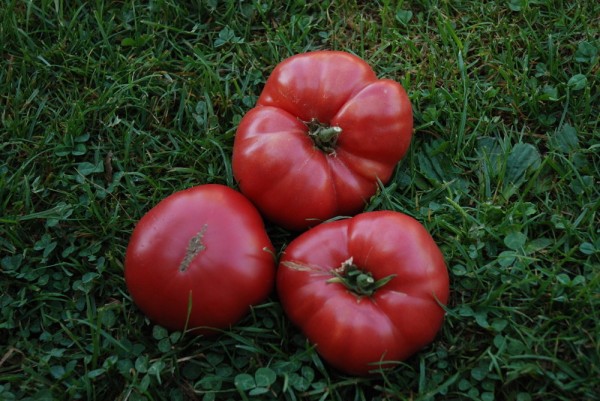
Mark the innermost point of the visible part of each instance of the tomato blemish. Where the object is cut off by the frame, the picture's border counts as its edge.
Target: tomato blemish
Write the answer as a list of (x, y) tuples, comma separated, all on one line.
[(194, 248)]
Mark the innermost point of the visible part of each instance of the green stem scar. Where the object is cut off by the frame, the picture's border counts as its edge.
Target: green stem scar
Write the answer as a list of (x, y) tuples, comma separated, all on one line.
[(358, 281), (195, 246), (324, 136)]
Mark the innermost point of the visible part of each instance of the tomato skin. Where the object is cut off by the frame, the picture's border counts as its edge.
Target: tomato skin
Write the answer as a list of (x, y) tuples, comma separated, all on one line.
[(231, 269), (277, 165), (355, 333)]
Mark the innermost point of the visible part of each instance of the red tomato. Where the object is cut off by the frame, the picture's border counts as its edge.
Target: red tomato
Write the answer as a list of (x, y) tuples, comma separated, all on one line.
[(199, 259), (366, 289), (324, 130)]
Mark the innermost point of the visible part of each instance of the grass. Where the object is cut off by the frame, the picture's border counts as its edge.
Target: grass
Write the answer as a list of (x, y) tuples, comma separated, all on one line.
[(108, 107)]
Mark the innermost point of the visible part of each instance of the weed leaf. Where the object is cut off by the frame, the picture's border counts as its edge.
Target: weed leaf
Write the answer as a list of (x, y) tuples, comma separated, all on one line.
[(264, 377), (515, 240), (522, 157), (565, 140), (577, 82), (244, 382)]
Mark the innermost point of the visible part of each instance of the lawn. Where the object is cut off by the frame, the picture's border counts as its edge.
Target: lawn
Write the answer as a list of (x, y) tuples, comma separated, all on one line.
[(107, 107)]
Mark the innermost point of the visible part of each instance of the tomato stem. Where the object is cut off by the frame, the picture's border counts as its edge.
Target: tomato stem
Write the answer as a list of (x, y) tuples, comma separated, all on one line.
[(324, 136), (358, 281), (195, 246)]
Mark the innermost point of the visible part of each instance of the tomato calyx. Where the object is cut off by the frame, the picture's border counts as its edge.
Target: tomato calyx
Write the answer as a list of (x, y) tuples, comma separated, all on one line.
[(195, 246), (323, 135), (358, 281)]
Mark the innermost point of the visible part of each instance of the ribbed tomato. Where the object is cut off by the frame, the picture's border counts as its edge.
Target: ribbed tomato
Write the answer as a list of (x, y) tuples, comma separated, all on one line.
[(324, 131), (365, 290)]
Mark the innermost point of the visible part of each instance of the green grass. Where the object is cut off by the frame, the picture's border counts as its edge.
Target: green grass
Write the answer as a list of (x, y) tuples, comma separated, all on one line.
[(108, 107)]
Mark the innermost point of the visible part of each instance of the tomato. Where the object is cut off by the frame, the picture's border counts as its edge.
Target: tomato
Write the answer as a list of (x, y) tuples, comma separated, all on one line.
[(199, 259), (323, 132), (365, 290)]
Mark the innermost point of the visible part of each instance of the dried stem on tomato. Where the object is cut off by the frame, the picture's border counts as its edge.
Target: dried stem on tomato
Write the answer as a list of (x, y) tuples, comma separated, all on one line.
[(360, 282), (324, 136)]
